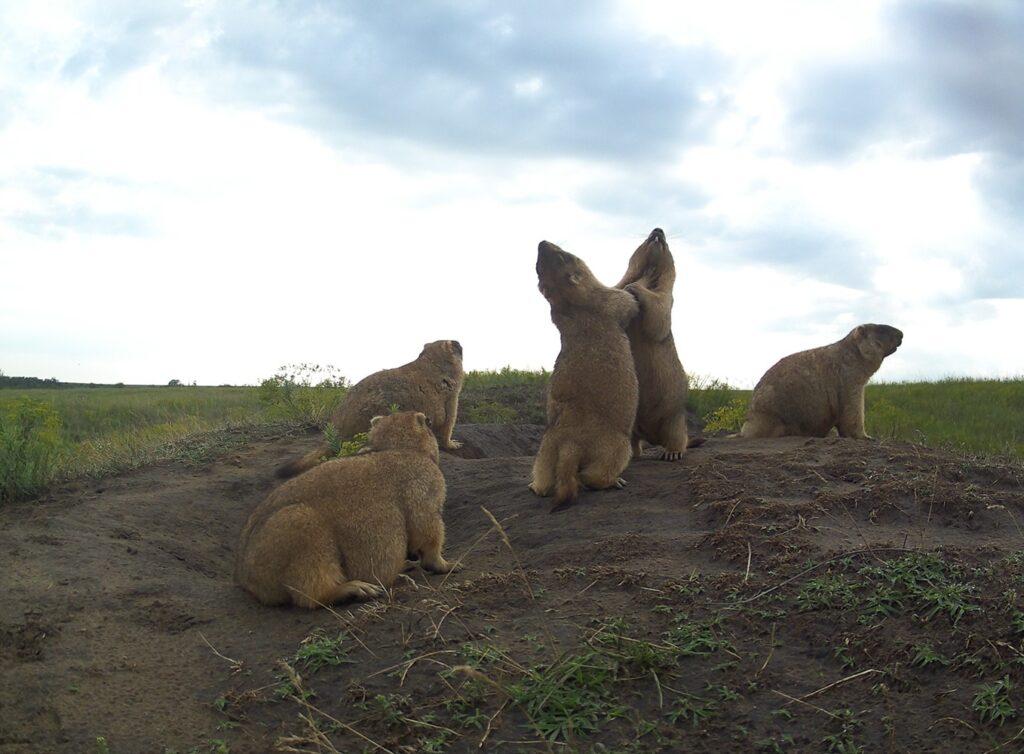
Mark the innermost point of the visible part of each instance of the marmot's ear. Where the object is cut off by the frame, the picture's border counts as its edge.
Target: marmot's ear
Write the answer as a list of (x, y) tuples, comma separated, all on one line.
[(859, 332), (575, 278), (374, 420), (422, 420)]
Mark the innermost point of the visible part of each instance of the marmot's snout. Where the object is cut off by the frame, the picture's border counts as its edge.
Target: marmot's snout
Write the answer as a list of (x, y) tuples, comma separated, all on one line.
[(657, 235)]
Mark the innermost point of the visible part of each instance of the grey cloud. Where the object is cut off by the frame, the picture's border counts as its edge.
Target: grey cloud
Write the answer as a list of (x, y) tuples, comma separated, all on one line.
[(646, 199), (531, 79), (952, 83), (954, 80), (803, 249)]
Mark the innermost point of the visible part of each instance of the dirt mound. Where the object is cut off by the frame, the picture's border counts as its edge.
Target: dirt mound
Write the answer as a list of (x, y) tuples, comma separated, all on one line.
[(498, 440), (799, 595)]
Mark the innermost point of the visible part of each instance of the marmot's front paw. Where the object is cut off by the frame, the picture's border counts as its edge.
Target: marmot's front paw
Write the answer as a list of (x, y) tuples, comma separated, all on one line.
[(621, 483), (453, 445), (441, 566)]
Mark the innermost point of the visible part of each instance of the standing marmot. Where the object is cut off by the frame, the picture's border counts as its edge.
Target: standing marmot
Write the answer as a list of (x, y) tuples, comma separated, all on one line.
[(344, 529), (592, 396), (810, 392), (431, 384), (661, 416)]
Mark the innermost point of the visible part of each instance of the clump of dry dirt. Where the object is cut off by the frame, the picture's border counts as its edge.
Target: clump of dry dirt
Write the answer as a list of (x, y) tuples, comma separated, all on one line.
[(790, 595)]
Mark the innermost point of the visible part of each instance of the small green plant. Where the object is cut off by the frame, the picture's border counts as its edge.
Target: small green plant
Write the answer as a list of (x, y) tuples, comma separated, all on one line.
[(339, 448), (691, 709), (728, 418), (992, 702), (842, 742), (319, 650), (696, 637), (30, 443), (102, 747), (828, 591), (570, 697), (926, 656), (934, 586)]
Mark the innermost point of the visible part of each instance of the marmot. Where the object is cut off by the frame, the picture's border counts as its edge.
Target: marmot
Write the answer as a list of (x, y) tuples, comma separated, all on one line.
[(661, 416), (810, 392), (343, 530), (431, 384), (592, 395)]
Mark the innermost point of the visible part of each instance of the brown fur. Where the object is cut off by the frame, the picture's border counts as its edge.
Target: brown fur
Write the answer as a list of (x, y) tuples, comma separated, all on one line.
[(592, 396), (431, 384), (810, 392), (344, 529), (661, 415)]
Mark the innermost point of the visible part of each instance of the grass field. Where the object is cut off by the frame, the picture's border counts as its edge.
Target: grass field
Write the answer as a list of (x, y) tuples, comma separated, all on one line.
[(51, 434)]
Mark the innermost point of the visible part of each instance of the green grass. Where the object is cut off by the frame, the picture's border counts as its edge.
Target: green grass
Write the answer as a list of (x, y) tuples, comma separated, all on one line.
[(48, 434), (979, 416)]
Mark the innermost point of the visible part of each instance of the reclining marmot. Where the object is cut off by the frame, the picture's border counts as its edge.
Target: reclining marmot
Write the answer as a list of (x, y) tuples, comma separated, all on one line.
[(344, 529)]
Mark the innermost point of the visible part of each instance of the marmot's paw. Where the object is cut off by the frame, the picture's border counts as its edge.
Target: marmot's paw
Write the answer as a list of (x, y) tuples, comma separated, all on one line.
[(453, 445), (671, 455), (534, 490), (441, 566), (621, 483), (411, 565), (364, 590)]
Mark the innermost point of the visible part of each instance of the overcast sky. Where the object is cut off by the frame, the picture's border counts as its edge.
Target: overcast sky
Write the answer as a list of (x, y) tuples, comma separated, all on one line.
[(209, 190)]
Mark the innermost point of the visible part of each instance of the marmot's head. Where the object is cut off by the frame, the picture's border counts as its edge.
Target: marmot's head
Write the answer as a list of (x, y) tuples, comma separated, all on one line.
[(443, 352), (562, 278), (651, 263), (405, 430), (875, 342)]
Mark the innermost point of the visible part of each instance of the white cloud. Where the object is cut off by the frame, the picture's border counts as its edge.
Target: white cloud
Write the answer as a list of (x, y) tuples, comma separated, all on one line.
[(150, 230)]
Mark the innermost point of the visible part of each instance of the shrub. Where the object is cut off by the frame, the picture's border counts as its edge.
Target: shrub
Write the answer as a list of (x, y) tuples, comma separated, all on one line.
[(729, 417), (30, 445), (708, 394), (303, 393)]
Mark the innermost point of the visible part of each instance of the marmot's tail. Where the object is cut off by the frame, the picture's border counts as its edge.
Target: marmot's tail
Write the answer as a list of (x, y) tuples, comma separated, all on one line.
[(567, 475), (306, 462), (696, 442)]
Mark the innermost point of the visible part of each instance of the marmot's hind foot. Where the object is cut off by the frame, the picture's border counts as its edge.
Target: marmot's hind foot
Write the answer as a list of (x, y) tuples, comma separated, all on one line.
[(671, 455)]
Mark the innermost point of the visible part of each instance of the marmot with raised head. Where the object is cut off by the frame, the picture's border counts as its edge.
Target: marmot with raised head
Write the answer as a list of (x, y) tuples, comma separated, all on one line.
[(344, 530), (592, 395), (431, 385), (810, 392), (661, 414)]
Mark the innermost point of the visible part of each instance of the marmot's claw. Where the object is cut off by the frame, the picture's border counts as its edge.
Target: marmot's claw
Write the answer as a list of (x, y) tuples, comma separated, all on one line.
[(445, 566), (621, 483), (671, 455), (365, 590), (454, 445)]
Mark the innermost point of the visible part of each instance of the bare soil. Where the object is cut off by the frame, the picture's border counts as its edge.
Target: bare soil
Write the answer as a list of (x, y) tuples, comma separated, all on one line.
[(709, 606)]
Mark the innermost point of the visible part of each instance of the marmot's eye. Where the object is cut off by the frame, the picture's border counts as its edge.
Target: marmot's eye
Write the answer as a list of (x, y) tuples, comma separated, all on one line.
[(429, 423)]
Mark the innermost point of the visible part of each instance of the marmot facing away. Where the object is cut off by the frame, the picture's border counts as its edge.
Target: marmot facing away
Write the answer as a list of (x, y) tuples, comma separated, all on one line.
[(810, 392), (592, 395), (661, 416), (344, 529), (431, 384)]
